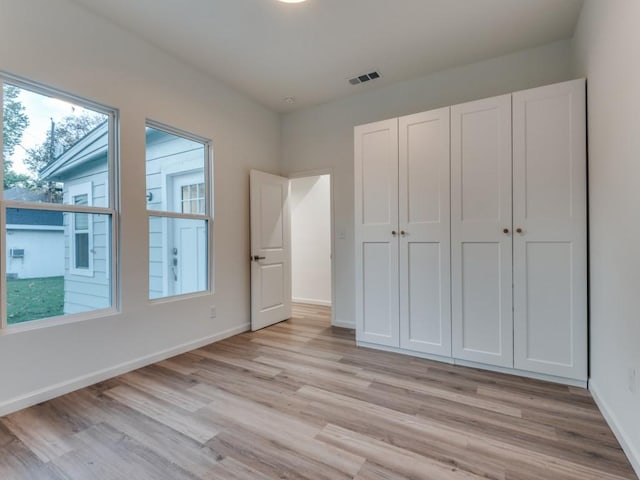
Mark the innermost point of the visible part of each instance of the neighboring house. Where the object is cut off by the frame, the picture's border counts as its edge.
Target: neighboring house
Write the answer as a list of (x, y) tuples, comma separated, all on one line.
[(34, 244), (175, 183), (20, 194)]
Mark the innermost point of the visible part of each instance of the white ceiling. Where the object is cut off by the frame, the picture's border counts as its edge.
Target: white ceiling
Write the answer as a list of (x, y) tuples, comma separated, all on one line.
[(272, 50)]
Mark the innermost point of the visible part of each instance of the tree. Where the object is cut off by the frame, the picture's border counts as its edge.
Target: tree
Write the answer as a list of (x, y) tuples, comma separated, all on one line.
[(15, 121), (60, 138)]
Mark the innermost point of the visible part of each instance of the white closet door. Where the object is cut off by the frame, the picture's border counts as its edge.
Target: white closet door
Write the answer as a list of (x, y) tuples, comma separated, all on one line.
[(425, 296), (550, 255), (481, 267), (376, 225)]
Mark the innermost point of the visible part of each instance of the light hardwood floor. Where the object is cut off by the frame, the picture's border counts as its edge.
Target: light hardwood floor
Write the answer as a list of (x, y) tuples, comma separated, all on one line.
[(299, 400)]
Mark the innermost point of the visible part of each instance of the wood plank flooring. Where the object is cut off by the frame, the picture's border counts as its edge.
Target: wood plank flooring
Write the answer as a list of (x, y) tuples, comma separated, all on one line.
[(298, 400)]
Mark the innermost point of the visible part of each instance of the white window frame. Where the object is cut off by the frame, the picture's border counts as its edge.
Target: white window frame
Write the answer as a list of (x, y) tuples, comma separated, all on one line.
[(206, 216), (76, 191), (111, 211)]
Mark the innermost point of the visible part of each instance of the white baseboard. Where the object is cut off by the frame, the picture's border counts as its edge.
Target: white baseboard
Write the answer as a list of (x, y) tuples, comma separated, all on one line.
[(617, 427), (402, 351), (482, 366), (523, 373), (312, 301), (342, 324), (47, 393)]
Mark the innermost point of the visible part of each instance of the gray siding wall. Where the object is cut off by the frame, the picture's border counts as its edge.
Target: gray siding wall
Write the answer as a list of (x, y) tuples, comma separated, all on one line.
[(84, 293), (81, 292)]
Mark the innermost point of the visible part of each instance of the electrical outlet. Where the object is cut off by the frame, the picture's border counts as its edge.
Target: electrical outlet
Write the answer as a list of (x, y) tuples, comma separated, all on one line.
[(213, 312), (632, 380)]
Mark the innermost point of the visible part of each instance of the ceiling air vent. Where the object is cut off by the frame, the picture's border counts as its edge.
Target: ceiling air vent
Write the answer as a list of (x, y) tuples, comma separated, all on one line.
[(364, 78)]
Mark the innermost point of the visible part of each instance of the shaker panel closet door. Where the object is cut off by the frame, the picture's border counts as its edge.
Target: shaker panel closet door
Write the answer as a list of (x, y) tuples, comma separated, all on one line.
[(424, 169), (376, 225), (550, 251), (481, 242)]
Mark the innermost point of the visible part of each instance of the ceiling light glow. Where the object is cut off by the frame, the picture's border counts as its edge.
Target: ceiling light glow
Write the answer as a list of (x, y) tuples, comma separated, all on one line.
[(293, 1)]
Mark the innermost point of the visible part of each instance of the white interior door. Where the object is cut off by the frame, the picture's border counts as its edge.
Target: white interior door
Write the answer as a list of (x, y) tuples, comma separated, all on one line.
[(376, 230), (188, 238), (481, 262), (270, 249), (425, 295), (550, 251)]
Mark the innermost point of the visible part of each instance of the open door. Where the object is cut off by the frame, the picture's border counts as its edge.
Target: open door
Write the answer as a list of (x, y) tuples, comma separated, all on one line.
[(270, 249)]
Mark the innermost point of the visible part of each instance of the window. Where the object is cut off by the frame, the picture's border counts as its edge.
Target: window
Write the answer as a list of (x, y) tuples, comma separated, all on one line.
[(81, 234), (58, 200), (193, 198), (179, 207)]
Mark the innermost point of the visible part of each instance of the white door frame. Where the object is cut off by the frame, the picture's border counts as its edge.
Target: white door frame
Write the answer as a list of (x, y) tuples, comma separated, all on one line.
[(316, 173)]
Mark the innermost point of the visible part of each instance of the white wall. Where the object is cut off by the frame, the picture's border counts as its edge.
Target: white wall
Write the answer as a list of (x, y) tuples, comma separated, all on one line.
[(38, 261), (322, 137), (607, 50), (62, 45), (310, 202)]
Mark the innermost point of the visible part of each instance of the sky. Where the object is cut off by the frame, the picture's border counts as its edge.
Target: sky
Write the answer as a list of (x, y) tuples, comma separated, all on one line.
[(40, 109)]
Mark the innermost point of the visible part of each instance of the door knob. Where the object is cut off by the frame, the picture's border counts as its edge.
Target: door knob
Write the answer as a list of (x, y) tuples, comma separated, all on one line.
[(394, 233), (403, 233), (505, 231), (519, 230), (257, 257)]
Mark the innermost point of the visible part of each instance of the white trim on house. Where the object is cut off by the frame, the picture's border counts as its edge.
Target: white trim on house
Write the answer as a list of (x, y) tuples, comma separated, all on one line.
[(38, 228), (77, 191)]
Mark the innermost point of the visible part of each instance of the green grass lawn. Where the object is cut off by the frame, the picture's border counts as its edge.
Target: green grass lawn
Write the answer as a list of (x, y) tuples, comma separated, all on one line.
[(34, 298)]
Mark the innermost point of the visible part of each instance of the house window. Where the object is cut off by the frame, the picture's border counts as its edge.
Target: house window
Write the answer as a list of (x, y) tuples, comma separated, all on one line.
[(58, 204), (81, 234), (178, 193), (193, 198)]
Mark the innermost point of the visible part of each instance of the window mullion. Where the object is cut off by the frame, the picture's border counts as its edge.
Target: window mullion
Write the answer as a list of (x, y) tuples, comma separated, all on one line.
[(187, 216), (59, 207), (3, 268)]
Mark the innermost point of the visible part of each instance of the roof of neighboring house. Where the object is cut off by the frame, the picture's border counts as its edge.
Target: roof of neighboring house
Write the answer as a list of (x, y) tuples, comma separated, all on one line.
[(39, 218), (90, 147), (20, 194)]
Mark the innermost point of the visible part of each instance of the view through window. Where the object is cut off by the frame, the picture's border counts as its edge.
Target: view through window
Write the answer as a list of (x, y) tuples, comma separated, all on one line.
[(57, 157), (178, 193)]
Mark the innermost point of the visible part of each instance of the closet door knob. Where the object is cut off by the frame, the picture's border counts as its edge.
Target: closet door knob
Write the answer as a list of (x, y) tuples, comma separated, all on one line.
[(518, 230), (505, 231), (394, 233), (403, 233)]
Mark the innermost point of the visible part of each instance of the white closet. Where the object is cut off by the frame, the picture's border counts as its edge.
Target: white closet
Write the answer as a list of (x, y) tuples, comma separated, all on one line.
[(481, 231), (477, 253), (402, 233), (376, 212), (550, 230)]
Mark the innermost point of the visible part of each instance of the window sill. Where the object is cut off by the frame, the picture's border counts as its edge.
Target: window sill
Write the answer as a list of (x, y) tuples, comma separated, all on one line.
[(58, 321), (175, 298)]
